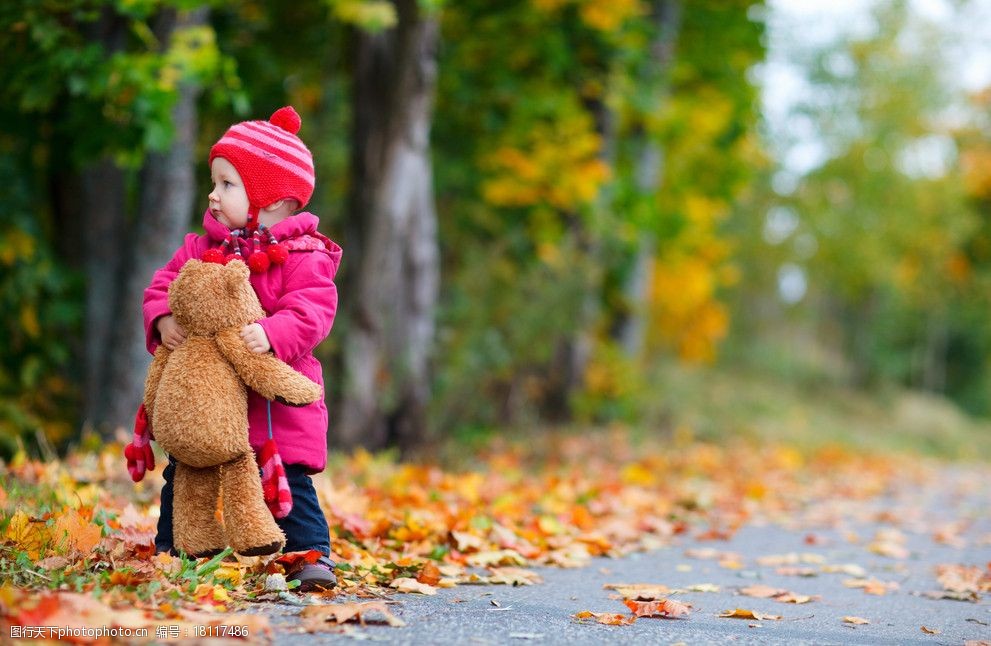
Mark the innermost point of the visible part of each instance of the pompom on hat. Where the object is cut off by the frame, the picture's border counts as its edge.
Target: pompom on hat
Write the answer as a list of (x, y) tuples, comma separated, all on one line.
[(272, 161)]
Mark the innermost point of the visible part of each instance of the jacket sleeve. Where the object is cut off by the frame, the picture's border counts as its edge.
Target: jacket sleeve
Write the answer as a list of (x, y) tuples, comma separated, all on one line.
[(156, 297), (304, 314)]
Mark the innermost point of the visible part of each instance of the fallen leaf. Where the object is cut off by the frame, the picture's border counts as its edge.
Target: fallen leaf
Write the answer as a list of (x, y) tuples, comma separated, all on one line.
[(762, 591), (890, 543), (316, 617), (495, 557), (791, 597), (608, 618), (53, 563), (850, 569), (855, 620), (872, 586), (641, 591), (513, 576), (741, 613), (660, 608), (703, 587), (467, 542), (407, 584), (73, 531), (429, 574), (28, 534), (964, 578), (930, 631), (792, 570), (953, 596)]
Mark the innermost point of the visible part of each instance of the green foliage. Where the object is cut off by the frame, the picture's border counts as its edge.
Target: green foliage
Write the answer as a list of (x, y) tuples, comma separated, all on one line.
[(38, 387), (80, 81)]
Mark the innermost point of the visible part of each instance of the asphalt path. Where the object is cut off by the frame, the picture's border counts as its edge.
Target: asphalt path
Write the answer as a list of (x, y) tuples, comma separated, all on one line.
[(947, 521)]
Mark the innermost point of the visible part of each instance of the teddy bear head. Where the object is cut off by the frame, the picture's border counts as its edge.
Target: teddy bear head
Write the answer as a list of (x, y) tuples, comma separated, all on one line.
[(208, 297)]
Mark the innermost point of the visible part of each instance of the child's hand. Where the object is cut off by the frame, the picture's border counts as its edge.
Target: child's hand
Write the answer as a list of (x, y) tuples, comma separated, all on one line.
[(173, 335), (255, 338)]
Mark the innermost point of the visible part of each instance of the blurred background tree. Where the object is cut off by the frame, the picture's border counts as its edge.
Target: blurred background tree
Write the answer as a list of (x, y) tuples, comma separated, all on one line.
[(544, 204)]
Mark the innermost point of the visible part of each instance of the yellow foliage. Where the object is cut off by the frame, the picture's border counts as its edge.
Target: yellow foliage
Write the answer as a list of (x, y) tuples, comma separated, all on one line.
[(977, 172), (684, 313), (602, 15), (609, 15), (29, 320), (958, 268), (15, 245), (370, 14), (557, 165)]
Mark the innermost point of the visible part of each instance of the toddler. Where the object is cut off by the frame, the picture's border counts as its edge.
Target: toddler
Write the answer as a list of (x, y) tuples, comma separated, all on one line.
[(262, 173)]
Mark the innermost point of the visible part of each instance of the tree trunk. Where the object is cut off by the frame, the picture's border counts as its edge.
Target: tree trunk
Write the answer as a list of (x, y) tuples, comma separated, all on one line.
[(632, 328), (163, 215), (936, 345), (103, 213), (392, 236)]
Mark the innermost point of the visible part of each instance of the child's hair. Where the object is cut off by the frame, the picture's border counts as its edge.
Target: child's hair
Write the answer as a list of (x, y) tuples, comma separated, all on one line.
[(273, 162)]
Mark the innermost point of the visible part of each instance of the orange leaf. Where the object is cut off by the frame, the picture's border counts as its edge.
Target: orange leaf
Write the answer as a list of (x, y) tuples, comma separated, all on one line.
[(73, 531), (429, 574), (762, 591), (659, 608), (608, 618), (406, 584)]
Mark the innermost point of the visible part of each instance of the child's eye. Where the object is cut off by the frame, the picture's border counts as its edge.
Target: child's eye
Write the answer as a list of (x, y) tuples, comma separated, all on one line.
[(227, 184)]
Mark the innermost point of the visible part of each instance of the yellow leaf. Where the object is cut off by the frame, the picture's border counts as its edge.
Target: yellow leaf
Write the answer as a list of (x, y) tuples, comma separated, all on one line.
[(407, 584), (640, 591), (855, 620), (741, 613), (27, 534)]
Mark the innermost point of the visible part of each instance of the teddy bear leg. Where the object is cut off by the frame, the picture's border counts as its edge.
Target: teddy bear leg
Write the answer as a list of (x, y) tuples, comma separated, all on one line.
[(194, 521), (251, 529)]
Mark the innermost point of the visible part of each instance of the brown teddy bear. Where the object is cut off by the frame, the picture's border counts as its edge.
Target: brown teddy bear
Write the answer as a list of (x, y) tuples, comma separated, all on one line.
[(197, 403)]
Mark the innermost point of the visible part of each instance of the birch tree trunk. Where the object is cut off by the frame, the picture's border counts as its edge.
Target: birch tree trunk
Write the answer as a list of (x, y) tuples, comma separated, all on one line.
[(163, 215), (392, 236), (632, 328)]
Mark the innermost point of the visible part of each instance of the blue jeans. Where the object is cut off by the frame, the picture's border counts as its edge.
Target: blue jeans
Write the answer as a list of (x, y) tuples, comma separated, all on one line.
[(305, 527)]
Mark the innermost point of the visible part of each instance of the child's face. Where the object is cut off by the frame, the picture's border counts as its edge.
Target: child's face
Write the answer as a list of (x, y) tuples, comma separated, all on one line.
[(228, 199)]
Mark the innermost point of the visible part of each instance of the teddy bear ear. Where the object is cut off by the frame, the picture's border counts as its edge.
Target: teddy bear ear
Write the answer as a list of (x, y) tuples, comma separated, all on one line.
[(235, 275)]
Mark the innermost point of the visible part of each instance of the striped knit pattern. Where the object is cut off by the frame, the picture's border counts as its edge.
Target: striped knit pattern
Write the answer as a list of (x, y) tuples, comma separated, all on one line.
[(275, 485), (271, 160)]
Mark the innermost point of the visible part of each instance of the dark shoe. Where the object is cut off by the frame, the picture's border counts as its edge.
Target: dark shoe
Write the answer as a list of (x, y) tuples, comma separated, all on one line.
[(314, 576)]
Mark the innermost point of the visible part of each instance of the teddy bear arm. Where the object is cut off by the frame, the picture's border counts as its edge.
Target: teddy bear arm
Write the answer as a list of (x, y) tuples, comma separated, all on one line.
[(154, 376), (265, 374)]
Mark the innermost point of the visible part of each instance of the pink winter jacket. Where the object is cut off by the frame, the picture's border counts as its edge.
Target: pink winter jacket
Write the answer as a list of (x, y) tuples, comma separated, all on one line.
[(300, 299)]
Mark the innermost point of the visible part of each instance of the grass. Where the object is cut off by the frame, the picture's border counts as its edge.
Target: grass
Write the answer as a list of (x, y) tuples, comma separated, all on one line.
[(810, 411)]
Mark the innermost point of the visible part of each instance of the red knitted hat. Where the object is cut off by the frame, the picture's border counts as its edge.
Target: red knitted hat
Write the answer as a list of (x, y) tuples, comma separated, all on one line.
[(273, 162)]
